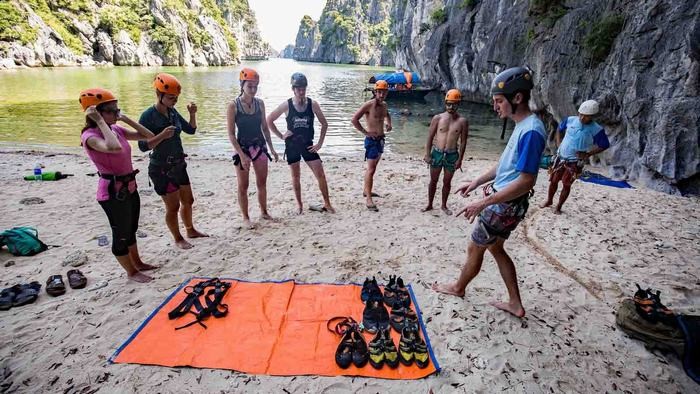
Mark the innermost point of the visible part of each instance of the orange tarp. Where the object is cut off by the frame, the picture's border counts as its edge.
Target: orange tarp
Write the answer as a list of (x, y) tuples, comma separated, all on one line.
[(272, 328)]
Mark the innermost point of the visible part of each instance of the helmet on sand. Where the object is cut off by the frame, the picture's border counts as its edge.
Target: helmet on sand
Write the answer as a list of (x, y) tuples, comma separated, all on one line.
[(589, 107), (511, 81), (381, 85), (95, 96), (453, 96)]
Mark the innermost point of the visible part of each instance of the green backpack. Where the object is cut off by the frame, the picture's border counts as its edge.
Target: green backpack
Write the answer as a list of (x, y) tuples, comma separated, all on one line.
[(22, 241)]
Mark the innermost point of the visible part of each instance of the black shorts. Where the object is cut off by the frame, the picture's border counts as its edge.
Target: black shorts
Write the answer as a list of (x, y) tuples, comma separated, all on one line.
[(168, 178), (295, 150)]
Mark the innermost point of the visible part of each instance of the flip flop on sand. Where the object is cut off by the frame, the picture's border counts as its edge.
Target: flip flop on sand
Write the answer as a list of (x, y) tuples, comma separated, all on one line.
[(55, 286), (27, 294), (373, 194), (6, 297), (317, 208), (76, 279), (373, 208)]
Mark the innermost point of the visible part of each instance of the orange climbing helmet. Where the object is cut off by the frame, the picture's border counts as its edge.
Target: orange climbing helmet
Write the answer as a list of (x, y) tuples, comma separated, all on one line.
[(95, 96), (166, 83), (381, 85), (453, 96), (248, 74)]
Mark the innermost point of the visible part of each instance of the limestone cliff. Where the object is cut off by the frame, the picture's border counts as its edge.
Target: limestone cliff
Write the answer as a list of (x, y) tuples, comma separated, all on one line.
[(127, 32), (640, 59), (348, 31), (287, 52)]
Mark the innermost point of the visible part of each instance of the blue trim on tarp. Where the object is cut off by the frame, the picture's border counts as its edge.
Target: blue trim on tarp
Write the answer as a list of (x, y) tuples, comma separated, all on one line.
[(138, 330), (425, 332), (598, 179)]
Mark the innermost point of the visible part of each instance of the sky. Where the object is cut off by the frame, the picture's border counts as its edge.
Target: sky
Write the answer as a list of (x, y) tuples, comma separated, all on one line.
[(279, 20)]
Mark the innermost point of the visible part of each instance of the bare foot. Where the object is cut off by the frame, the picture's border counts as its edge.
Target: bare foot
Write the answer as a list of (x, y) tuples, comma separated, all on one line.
[(426, 209), (140, 277), (182, 244), (300, 210), (515, 310), (448, 289), (557, 211), (192, 233), (329, 208), (248, 224), (546, 204), (447, 211), (141, 266), (266, 216)]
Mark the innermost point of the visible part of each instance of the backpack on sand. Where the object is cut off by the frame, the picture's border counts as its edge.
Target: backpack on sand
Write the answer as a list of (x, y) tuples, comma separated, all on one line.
[(22, 241)]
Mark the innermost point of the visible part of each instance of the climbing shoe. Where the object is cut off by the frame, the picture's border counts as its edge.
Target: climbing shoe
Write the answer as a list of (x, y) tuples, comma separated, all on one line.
[(343, 354), (402, 294), (375, 316), (420, 349), (406, 346), (352, 348), (391, 355), (370, 290), (402, 316), (360, 353), (648, 305), (390, 292), (376, 351)]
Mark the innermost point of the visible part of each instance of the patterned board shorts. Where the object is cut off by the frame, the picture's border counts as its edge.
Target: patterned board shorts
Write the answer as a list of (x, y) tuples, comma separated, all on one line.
[(499, 220)]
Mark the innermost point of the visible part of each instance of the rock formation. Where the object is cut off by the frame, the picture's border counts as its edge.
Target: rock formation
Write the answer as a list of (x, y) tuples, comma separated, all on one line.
[(127, 32)]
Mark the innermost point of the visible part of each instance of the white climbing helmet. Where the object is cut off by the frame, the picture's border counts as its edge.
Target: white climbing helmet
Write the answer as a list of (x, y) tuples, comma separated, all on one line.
[(589, 107)]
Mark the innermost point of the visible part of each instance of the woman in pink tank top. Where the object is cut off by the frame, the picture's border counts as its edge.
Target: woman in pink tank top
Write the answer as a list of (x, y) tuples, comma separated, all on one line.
[(106, 144)]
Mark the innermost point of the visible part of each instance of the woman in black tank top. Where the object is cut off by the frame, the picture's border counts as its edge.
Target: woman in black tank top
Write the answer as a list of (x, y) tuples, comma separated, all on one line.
[(299, 140), (250, 138)]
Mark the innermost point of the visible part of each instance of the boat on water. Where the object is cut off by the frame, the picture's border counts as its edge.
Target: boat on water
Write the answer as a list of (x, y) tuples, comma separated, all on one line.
[(254, 57), (403, 85)]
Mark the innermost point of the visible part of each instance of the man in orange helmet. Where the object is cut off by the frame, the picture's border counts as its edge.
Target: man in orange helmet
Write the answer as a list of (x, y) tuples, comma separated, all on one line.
[(167, 168), (376, 114), (447, 130)]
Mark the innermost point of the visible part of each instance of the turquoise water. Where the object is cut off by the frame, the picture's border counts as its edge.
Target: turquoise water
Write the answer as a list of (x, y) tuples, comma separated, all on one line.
[(39, 107)]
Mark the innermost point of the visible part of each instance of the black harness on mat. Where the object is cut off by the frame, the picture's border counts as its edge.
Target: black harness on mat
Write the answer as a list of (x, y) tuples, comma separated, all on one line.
[(212, 298)]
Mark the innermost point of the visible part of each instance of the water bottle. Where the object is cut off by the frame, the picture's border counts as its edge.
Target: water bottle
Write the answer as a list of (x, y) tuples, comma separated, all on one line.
[(37, 172)]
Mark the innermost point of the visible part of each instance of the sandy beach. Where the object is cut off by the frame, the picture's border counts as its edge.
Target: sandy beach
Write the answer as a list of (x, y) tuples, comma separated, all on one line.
[(573, 269)]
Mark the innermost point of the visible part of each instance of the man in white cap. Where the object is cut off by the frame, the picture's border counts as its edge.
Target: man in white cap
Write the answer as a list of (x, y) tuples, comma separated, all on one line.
[(583, 138)]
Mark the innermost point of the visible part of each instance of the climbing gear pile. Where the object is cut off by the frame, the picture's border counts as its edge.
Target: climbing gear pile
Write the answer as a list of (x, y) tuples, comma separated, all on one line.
[(213, 292)]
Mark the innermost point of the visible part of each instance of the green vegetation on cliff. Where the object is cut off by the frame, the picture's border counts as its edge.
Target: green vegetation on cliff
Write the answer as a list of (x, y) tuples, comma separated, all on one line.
[(132, 16), (112, 16), (547, 11), (348, 25), (48, 10), (599, 41), (14, 25), (237, 9), (438, 16)]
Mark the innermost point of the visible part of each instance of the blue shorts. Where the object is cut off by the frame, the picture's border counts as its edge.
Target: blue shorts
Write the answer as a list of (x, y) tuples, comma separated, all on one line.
[(374, 147)]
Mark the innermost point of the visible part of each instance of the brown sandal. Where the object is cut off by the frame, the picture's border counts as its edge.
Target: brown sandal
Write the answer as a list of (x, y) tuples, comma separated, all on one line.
[(55, 286), (76, 279)]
